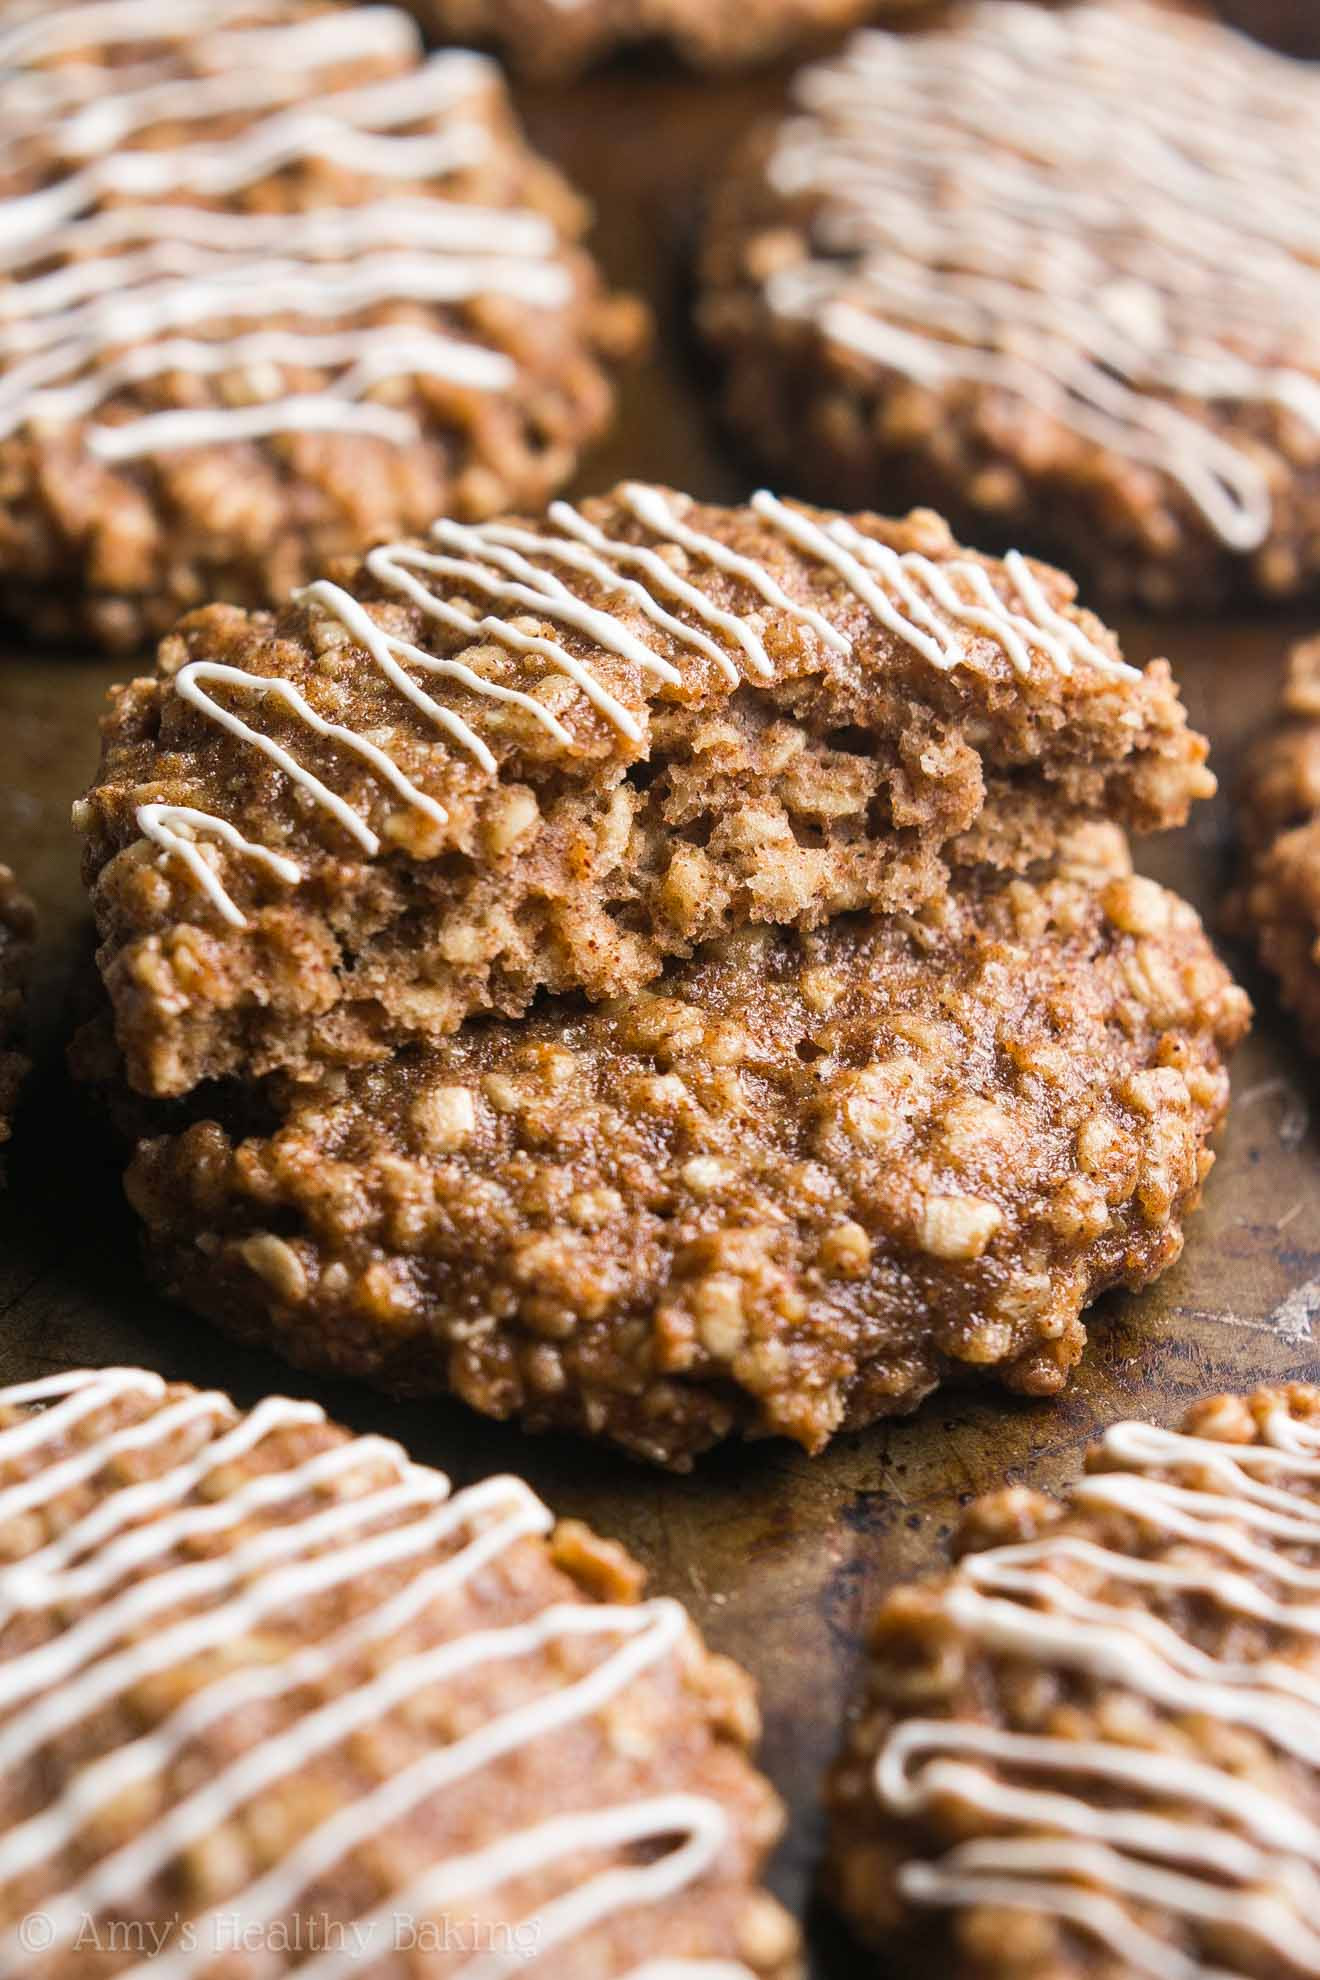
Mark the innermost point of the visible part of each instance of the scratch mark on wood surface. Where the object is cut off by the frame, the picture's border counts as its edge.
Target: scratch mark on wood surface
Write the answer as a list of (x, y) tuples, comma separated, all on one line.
[(1294, 1113), (1292, 1320)]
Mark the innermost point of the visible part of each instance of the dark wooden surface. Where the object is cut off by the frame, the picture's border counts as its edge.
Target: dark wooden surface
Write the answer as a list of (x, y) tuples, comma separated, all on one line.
[(779, 1557)]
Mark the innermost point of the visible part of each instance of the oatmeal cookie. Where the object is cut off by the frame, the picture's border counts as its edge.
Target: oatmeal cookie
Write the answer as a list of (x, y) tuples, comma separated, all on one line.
[(551, 41), (552, 754), (16, 926), (994, 268), (1089, 1749), (785, 1191), (1278, 904), (274, 1696), (276, 286)]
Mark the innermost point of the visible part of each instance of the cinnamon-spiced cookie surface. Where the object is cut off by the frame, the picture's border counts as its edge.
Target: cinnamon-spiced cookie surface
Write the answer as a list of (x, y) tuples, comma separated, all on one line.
[(1278, 903), (552, 754), (273, 285), (787, 1189), (1089, 1748), (274, 1699), (1052, 270)]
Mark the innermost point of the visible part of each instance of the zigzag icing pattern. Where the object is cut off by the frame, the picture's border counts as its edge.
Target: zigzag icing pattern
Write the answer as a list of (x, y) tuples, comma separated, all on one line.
[(214, 1601), (932, 606), (1009, 202), (1257, 1869), (161, 283)]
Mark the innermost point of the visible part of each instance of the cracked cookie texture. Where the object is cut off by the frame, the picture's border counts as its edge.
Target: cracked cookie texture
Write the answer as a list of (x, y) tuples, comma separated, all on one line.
[(1087, 1748), (278, 1697), (788, 1188), (277, 285), (551, 755)]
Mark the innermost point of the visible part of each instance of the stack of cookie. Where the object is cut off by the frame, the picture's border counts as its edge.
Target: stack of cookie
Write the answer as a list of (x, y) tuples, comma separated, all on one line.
[(658, 969)]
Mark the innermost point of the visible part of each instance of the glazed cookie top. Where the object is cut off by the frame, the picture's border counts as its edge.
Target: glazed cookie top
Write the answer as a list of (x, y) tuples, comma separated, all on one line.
[(1008, 204), (1091, 1747), (274, 232), (119, 197), (598, 738), (255, 1669)]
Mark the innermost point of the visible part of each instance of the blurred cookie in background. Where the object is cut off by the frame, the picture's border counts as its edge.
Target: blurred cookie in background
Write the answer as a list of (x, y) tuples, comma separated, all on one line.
[(276, 285), (1278, 903), (1052, 271), (554, 40)]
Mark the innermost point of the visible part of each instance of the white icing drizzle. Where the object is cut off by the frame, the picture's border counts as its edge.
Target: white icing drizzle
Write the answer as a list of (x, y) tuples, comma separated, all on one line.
[(165, 236), (376, 1508), (1008, 202), (323, 289), (589, 549), (74, 1471), (540, 591), (26, 222), (855, 557), (701, 1823), (188, 684), (929, 604), (390, 559), (91, 1391), (129, 276), (263, 67), (611, 551), (655, 513), (820, 543), (69, 342), (174, 828), (1253, 1862), (52, 31)]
